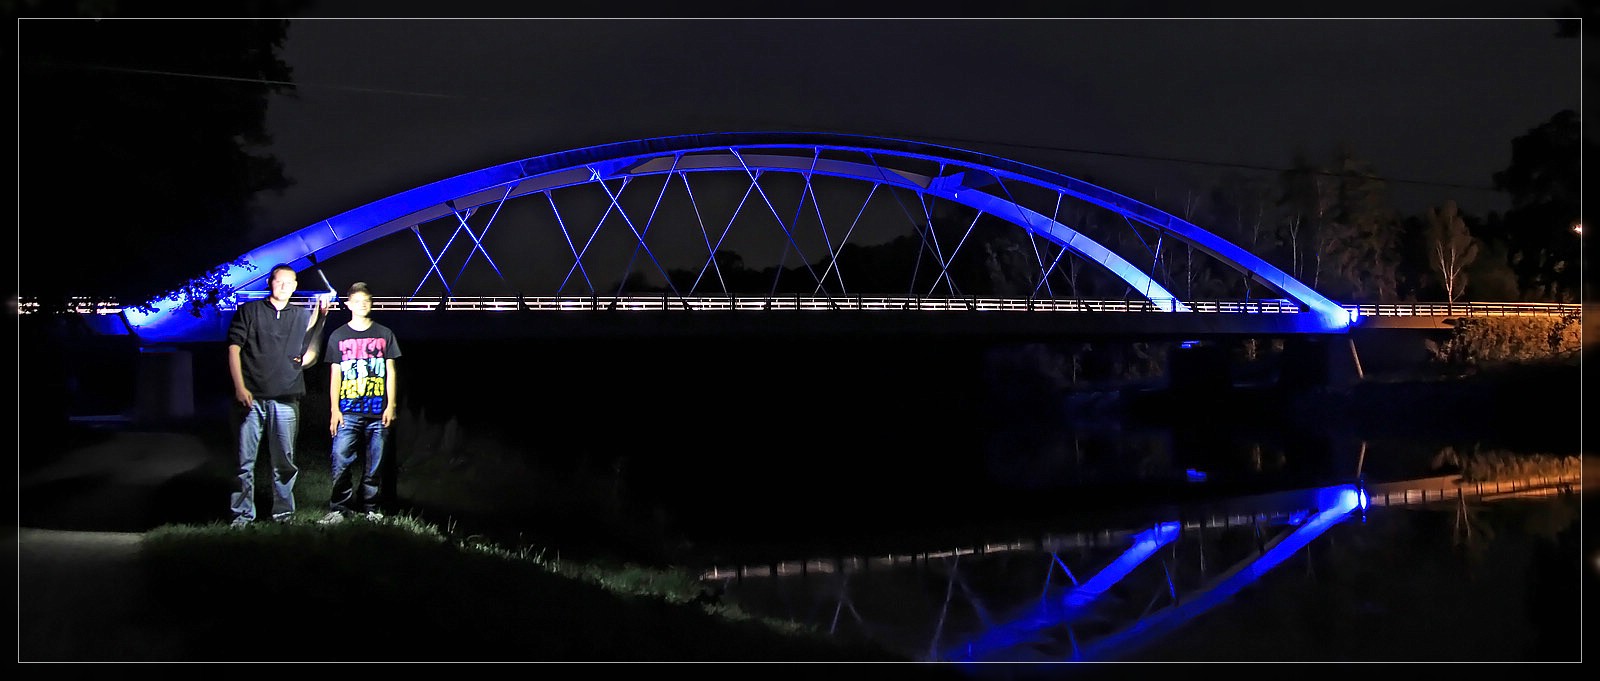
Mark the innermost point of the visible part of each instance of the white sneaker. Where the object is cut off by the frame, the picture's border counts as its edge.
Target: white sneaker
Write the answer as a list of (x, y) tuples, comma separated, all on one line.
[(333, 518), (239, 522), (374, 516)]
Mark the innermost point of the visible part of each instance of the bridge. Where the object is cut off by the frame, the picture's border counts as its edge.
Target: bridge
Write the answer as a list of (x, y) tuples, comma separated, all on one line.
[(662, 225), (780, 234), (841, 216)]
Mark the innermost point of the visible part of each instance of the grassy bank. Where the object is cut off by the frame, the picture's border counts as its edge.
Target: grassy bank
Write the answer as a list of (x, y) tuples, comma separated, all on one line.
[(409, 588), (403, 590)]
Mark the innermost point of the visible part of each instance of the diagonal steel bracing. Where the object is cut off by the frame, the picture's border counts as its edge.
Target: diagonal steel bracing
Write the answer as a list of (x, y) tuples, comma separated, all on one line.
[(976, 181)]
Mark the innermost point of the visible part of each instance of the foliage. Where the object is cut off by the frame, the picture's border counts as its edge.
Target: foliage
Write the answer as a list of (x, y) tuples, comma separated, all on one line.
[(1475, 340), (1489, 277), (1544, 182), (144, 137), (1362, 237), (1492, 465), (202, 292)]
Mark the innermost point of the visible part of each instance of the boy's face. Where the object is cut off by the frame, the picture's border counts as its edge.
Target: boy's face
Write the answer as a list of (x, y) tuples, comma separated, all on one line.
[(359, 303), (283, 284)]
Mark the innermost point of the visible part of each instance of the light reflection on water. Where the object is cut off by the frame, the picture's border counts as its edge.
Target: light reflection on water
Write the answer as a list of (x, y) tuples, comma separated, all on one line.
[(1422, 578)]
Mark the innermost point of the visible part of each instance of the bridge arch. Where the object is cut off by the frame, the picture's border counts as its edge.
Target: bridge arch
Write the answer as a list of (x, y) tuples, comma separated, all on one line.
[(978, 181)]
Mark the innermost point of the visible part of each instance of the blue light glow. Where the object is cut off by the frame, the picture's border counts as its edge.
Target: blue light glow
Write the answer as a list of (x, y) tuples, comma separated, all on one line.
[(1070, 606), (967, 171), (1343, 500)]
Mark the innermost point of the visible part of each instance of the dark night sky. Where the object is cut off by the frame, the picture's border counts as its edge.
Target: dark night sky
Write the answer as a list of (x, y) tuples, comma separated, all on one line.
[(387, 104)]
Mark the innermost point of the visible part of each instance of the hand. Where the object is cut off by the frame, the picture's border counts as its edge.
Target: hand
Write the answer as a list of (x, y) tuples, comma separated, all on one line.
[(324, 303), (243, 397), (388, 415), (334, 422)]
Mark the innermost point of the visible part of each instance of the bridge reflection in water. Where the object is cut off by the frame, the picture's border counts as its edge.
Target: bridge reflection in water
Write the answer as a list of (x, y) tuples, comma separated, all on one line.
[(1078, 597)]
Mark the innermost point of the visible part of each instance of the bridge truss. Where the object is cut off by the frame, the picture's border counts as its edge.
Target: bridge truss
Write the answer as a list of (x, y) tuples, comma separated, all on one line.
[(776, 214)]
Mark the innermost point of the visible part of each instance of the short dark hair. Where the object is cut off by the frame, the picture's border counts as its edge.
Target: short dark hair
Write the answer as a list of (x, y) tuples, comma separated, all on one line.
[(282, 266), (358, 287)]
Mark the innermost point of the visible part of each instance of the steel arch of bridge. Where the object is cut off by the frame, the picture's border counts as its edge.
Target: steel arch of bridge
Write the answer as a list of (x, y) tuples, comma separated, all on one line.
[(978, 181)]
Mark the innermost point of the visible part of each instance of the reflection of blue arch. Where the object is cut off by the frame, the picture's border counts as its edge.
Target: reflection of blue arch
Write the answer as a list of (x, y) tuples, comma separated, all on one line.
[(962, 175), (1332, 505), (1067, 609)]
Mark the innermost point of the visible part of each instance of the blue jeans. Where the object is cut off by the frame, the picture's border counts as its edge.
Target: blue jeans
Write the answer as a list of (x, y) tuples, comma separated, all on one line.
[(277, 421), (347, 496)]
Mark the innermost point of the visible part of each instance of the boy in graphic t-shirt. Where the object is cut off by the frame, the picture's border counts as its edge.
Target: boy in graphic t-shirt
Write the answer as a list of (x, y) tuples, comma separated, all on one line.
[(361, 394)]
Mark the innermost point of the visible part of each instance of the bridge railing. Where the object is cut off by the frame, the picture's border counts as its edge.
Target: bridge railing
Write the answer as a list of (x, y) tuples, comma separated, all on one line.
[(79, 305), (670, 302), (1467, 309)]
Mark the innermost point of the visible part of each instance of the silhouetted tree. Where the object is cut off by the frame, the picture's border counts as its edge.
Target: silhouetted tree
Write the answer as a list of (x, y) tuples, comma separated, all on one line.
[(1306, 195), (140, 144), (1490, 277), (1338, 217), (1543, 180), (1364, 239), (1242, 212)]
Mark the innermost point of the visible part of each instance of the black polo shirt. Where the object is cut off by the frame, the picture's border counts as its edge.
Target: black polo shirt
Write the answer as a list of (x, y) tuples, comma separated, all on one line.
[(269, 340)]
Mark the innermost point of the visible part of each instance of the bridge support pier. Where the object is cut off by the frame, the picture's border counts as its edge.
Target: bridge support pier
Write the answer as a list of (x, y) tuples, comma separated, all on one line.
[(165, 389), (1320, 362)]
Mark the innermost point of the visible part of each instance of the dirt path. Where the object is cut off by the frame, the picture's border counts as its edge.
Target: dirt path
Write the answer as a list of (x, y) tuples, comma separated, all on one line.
[(79, 586), (78, 598)]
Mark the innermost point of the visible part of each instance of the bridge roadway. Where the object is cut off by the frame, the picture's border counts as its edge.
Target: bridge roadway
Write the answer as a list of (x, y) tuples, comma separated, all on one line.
[(667, 315)]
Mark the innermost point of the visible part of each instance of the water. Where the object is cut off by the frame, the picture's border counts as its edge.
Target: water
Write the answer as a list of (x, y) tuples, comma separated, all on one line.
[(1400, 584)]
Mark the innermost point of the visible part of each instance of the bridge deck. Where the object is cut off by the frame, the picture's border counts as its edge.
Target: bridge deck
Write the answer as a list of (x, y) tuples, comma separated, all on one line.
[(792, 315)]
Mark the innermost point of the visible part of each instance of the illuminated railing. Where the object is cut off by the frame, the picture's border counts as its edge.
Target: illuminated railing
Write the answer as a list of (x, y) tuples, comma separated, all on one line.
[(670, 302), (1539, 485), (80, 305), (1467, 309)]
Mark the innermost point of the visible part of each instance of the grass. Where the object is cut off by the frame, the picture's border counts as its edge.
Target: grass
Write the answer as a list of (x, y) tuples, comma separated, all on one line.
[(402, 589)]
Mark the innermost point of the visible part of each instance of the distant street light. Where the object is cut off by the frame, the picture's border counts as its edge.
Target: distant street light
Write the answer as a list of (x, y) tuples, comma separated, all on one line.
[(1577, 228)]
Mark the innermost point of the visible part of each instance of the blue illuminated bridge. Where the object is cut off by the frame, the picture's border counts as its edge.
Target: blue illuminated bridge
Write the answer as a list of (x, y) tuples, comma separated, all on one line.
[(782, 232)]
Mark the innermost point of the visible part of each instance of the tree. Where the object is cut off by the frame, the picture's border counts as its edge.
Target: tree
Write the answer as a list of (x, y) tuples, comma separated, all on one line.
[(1491, 278), (141, 147), (1342, 213), (1306, 197), (1241, 212), (1451, 249), (1363, 237), (1543, 180)]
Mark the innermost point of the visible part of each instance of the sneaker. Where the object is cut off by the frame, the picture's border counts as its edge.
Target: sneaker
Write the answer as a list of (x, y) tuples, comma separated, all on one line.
[(239, 522), (374, 516), (333, 518)]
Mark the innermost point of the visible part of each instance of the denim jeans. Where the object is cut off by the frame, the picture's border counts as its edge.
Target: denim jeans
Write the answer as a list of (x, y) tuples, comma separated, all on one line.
[(347, 496), (276, 421)]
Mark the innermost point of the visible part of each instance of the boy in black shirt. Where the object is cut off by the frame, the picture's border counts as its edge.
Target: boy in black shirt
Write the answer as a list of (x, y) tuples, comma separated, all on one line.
[(269, 343), (361, 393)]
